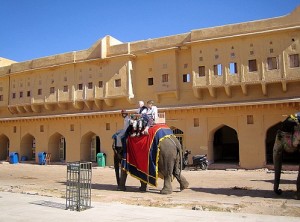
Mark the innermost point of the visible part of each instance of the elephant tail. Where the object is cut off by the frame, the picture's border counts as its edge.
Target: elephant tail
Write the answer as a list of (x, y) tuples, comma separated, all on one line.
[(179, 153), (179, 150)]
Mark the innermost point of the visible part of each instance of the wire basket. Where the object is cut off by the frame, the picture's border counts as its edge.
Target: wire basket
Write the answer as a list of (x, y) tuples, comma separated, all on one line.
[(78, 189)]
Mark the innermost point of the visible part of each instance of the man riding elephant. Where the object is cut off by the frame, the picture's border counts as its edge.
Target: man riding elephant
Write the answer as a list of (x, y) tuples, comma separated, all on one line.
[(147, 157)]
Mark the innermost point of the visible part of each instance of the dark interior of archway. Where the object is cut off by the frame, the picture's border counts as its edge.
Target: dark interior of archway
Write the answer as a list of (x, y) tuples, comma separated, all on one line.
[(4, 147), (287, 158), (226, 146), (98, 149)]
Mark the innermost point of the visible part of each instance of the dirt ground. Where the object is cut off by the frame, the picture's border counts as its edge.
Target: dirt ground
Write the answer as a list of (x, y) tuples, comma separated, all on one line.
[(246, 191)]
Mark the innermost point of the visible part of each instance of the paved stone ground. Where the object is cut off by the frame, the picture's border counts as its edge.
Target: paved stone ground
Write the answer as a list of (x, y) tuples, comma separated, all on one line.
[(238, 191), (25, 207)]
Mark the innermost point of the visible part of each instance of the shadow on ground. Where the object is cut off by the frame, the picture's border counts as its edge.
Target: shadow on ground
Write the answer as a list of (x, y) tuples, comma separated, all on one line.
[(246, 191)]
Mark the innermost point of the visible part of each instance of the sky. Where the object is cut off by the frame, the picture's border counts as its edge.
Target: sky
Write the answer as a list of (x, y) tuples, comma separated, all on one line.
[(32, 29)]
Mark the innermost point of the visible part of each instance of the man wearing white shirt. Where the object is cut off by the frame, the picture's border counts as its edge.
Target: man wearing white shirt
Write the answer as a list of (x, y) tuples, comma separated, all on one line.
[(152, 114), (137, 122)]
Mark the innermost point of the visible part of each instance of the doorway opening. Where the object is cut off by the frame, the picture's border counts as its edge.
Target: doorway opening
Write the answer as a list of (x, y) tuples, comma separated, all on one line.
[(226, 145)]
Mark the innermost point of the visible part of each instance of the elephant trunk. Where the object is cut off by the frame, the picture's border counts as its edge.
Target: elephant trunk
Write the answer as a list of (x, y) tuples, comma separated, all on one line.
[(117, 168), (121, 185), (277, 161)]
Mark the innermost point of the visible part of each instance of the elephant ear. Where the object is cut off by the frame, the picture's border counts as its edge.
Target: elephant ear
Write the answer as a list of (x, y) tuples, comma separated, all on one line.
[(296, 136), (279, 135)]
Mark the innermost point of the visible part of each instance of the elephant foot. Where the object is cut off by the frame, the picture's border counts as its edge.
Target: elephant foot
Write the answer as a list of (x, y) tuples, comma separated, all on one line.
[(165, 191), (143, 189), (278, 192), (184, 185), (121, 188)]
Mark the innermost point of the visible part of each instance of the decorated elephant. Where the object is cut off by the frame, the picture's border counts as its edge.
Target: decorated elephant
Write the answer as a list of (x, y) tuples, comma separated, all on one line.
[(288, 141), (164, 160)]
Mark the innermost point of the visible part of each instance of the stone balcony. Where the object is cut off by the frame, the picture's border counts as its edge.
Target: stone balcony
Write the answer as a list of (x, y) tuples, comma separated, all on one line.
[(262, 77), (77, 99)]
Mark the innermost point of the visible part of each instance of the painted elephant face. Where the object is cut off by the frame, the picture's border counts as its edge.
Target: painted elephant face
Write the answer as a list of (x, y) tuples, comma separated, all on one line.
[(296, 136)]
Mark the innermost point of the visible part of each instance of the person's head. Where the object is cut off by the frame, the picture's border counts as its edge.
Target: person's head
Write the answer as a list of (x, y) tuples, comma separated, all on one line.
[(141, 103), (124, 113), (150, 103)]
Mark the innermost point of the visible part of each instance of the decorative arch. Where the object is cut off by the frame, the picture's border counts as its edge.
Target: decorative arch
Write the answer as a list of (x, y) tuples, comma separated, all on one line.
[(212, 132), (4, 147), (57, 147), (287, 158), (27, 148), (225, 145), (90, 145)]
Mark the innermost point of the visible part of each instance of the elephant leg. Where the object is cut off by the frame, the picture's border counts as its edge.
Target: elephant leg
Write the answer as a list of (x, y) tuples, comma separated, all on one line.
[(180, 178), (121, 186), (277, 161), (298, 184), (167, 189), (143, 187), (182, 181), (165, 166)]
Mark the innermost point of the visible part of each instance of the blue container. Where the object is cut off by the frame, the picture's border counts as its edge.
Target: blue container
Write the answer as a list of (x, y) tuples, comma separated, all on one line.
[(13, 157), (42, 158), (24, 158)]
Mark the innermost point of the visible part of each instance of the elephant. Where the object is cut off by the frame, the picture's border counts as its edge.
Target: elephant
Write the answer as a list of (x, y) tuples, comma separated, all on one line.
[(289, 142), (169, 165)]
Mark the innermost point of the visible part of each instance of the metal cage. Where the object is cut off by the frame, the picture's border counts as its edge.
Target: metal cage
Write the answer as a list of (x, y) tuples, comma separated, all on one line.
[(78, 189)]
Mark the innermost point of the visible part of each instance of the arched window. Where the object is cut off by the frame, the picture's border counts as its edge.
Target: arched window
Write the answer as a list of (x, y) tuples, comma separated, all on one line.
[(178, 133)]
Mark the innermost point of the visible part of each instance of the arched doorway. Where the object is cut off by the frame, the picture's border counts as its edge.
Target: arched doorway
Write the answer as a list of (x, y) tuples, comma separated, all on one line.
[(226, 145), (4, 147), (89, 147), (27, 149), (287, 158), (57, 147)]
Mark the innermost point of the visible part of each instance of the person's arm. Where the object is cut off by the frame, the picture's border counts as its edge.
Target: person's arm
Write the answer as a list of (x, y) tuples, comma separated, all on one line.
[(155, 113)]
